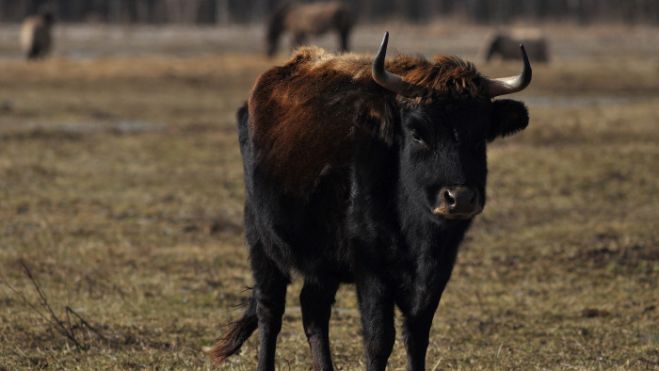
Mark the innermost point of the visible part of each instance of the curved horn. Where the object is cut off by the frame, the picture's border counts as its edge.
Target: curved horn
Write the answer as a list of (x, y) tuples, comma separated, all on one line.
[(512, 84), (391, 81)]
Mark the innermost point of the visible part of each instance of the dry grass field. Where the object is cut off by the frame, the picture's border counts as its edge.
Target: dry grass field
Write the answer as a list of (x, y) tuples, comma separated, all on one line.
[(121, 192)]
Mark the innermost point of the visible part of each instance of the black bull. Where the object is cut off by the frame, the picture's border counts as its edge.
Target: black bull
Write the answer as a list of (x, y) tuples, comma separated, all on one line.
[(365, 178)]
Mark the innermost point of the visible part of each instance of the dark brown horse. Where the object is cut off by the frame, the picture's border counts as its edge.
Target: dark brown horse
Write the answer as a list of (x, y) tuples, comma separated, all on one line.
[(302, 20), (506, 47)]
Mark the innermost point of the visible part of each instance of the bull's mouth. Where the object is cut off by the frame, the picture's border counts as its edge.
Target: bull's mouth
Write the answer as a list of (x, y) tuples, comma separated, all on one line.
[(457, 202), (445, 213)]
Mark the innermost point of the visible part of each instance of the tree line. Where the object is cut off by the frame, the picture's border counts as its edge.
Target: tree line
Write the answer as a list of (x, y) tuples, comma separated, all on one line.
[(246, 11)]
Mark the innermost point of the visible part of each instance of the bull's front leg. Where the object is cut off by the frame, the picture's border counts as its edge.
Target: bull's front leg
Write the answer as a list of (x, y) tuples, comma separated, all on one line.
[(419, 307), (416, 332), (376, 305)]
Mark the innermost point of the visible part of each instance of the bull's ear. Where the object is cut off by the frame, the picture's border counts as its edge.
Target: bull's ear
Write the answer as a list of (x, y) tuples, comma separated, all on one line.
[(508, 117)]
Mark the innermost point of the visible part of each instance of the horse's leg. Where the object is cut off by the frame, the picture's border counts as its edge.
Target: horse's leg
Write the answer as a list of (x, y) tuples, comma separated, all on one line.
[(299, 38), (344, 39)]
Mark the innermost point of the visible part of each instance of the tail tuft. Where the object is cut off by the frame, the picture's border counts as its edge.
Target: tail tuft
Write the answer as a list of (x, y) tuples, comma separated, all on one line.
[(239, 331)]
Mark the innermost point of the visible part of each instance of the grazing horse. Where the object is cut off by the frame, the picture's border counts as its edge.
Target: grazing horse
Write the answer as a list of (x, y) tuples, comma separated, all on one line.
[(36, 34), (362, 171), (302, 20), (506, 47)]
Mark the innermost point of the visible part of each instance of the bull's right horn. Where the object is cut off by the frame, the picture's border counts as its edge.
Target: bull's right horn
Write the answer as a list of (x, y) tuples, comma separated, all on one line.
[(391, 81), (512, 84)]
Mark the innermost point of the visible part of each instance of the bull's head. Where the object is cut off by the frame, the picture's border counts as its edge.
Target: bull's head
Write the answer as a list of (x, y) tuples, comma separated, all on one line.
[(442, 141)]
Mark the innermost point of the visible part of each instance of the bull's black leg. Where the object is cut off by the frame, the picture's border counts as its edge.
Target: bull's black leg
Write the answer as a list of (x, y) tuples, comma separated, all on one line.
[(416, 331), (316, 300), (270, 293), (377, 310)]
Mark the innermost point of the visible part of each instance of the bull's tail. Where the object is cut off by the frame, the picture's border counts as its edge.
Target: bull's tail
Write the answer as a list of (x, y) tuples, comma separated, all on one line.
[(238, 332)]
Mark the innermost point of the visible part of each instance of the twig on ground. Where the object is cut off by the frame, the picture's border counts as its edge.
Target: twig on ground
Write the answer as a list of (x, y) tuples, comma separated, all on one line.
[(54, 319), (86, 324), (65, 328)]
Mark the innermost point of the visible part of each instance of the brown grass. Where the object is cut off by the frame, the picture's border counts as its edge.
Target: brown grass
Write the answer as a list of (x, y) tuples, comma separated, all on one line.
[(120, 186)]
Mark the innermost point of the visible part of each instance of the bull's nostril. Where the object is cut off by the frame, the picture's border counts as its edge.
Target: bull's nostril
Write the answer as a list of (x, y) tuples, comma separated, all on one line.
[(449, 198)]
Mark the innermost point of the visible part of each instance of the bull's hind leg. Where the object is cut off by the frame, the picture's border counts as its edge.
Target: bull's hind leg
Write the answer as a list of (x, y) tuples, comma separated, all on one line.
[(270, 293), (316, 300)]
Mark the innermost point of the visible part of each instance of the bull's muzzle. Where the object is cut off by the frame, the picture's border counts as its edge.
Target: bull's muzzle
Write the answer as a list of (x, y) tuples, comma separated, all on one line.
[(458, 202)]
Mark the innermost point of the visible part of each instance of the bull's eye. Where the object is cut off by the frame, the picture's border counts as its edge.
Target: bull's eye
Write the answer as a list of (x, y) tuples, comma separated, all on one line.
[(416, 138)]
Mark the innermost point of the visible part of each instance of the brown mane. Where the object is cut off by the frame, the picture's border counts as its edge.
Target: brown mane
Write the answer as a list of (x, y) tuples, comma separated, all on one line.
[(302, 114)]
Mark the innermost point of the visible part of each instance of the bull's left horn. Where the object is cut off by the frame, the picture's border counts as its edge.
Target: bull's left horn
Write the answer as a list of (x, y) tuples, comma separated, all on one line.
[(512, 84), (391, 81)]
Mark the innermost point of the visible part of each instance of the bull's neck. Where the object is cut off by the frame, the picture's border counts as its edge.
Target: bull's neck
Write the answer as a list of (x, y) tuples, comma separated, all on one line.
[(381, 196)]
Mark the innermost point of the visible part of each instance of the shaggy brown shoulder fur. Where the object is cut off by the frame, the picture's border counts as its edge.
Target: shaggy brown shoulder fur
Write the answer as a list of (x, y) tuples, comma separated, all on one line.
[(302, 114)]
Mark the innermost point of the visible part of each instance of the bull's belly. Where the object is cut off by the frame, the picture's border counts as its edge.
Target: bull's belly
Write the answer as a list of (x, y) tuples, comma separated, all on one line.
[(313, 250), (307, 234)]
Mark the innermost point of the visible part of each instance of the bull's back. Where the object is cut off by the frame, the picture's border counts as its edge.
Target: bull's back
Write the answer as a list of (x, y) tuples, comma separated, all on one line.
[(300, 124), (296, 146), (303, 231)]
